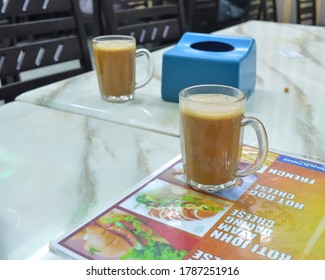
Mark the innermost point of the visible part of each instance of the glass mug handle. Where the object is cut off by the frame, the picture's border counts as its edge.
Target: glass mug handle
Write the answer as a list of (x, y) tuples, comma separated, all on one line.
[(151, 67), (262, 146)]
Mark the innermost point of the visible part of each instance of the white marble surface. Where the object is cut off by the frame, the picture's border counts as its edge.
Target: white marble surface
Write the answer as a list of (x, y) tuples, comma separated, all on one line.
[(288, 56), (81, 95), (58, 168)]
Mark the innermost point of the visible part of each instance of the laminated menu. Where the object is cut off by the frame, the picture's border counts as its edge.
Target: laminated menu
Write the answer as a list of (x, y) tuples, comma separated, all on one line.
[(278, 213)]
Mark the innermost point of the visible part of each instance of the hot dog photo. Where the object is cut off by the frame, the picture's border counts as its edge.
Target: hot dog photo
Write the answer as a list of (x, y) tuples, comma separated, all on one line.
[(178, 206)]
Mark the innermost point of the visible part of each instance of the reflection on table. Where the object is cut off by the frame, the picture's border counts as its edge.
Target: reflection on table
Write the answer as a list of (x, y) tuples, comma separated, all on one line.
[(58, 168)]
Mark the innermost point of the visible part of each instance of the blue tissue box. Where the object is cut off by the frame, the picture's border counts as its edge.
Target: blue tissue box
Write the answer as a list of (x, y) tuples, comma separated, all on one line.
[(209, 59)]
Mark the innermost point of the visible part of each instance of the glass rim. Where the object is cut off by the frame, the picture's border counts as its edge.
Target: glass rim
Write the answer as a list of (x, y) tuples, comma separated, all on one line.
[(103, 38), (185, 92)]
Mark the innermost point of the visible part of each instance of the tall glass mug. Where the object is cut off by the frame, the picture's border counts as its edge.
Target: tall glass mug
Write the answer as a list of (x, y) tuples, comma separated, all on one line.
[(212, 118), (115, 60)]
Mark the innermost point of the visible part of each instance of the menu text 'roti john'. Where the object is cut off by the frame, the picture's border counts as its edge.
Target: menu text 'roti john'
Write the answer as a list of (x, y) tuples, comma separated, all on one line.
[(240, 228)]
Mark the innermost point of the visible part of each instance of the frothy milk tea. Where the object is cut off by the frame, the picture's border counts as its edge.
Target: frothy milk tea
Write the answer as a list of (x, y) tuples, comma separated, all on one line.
[(212, 137), (115, 61)]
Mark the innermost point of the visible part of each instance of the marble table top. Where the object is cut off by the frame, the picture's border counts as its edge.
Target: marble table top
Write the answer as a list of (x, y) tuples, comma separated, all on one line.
[(288, 98), (58, 168)]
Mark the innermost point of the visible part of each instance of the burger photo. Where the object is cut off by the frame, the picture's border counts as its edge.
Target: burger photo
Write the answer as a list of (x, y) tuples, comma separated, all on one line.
[(124, 236)]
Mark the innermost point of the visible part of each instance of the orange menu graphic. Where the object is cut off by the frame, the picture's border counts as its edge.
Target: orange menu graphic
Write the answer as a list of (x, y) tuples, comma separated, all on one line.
[(278, 213)]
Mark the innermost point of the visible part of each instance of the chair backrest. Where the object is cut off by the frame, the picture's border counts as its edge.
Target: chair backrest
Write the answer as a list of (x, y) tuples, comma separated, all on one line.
[(154, 24), (253, 10), (201, 15), (306, 12), (91, 16), (270, 10), (39, 34)]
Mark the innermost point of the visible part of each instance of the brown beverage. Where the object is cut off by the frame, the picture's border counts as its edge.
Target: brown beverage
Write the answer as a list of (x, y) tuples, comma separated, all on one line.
[(211, 137), (115, 64)]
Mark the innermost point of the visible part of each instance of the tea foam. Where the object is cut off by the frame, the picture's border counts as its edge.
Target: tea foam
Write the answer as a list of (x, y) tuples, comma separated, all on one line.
[(213, 105)]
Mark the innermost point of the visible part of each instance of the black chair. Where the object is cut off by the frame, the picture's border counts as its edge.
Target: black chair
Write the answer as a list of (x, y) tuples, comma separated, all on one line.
[(270, 10), (306, 12), (154, 24), (253, 10), (201, 15), (41, 33), (92, 20), (231, 13)]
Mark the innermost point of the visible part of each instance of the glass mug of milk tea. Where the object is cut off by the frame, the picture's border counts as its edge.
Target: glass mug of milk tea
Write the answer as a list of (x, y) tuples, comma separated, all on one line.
[(115, 60), (212, 121)]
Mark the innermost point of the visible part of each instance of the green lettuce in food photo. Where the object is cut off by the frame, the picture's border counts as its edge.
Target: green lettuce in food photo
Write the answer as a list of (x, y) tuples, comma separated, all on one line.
[(127, 237)]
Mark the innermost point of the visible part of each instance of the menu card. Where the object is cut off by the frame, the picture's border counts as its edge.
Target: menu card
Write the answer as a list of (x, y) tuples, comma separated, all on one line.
[(278, 213)]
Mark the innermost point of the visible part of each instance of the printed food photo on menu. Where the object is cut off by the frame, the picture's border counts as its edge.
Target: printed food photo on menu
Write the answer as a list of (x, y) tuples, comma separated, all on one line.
[(177, 206), (120, 235)]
